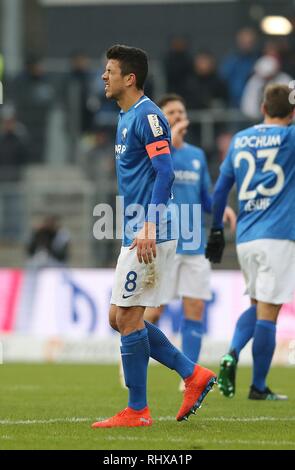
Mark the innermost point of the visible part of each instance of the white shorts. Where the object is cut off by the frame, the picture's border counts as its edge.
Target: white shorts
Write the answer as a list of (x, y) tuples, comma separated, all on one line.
[(142, 284), (189, 277), (268, 267)]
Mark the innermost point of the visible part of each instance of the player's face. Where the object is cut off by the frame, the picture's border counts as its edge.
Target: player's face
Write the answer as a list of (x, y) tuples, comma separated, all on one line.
[(175, 112), (113, 79)]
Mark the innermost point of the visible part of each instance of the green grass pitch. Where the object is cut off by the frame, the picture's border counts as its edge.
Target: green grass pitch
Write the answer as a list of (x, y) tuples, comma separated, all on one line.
[(53, 406)]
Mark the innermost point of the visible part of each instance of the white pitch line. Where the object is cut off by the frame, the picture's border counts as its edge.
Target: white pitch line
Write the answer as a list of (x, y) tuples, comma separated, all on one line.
[(73, 420), (8, 422), (203, 441), (225, 419)]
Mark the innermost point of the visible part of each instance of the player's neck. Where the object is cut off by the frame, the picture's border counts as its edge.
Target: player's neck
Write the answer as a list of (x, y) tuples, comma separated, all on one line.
[(129, 99), (276, 121)]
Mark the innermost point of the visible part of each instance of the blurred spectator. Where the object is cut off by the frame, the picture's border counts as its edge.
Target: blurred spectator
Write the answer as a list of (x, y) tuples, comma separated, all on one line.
[(178, 66), (272, 49), (80, 94), (223, 143), (238, 66), (33, 96), (99, 166), (287, 55), (98, 162), (205, 88), (14, 146), (14, 154), (48, 245), (267, 70)]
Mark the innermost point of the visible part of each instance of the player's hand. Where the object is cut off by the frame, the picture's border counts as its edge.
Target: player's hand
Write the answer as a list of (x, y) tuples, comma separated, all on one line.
[(146, 243), (178, 132), (230, 217), (215, 245)]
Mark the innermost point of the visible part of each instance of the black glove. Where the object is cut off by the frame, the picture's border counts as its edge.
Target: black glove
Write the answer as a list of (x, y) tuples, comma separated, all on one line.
[(215, 245)]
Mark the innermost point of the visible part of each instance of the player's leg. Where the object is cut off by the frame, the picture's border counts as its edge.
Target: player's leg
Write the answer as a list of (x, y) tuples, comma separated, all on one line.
[(263, 349), (135, 353), (153, 314), (244, 331), (194, 288), (245, 325), (192, 327), (162, 350), (135, 356), (275, 285), (126, 316), (200, 380)]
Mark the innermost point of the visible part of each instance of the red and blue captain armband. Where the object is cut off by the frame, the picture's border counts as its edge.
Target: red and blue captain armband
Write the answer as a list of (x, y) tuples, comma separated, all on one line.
[(161, 147)]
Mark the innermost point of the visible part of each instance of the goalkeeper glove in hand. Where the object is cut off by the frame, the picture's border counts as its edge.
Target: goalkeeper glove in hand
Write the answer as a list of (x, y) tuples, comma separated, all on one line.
[(215, 245)]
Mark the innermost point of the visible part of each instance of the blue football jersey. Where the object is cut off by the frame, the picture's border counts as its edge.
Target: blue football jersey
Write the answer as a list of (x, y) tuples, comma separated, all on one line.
[(142, 133), (191, 187), (262, 161)]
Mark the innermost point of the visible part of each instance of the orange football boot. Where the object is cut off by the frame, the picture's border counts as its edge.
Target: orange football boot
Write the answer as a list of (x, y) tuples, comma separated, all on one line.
[(127, 418), (197, 386)]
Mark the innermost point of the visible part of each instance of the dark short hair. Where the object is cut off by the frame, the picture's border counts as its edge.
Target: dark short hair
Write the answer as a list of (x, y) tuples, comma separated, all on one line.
[(168, 98), (132, 60), (277, 102)]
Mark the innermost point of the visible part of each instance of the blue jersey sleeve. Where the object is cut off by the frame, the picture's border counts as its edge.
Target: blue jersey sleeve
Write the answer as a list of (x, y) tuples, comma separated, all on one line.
[(220, 195), (152, 128), (227, 167), (154, 133)]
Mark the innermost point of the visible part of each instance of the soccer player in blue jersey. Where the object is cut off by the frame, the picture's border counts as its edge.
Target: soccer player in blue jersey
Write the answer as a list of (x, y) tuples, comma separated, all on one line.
[(189, 278), (261, 161), (145, 176)]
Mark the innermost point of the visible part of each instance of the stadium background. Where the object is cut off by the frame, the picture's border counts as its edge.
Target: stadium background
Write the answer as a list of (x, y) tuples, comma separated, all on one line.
[(60, 162)]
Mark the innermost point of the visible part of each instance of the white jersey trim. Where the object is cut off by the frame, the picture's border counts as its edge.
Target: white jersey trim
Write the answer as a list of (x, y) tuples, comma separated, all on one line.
[(138, 104), (268, 125)]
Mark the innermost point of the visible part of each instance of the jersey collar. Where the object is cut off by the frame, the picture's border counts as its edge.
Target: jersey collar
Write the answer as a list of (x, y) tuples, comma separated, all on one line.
[(141, 100), (268, 125)]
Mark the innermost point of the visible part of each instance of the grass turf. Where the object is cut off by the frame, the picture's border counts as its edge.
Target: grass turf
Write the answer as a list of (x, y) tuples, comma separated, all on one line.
[(53, 406)]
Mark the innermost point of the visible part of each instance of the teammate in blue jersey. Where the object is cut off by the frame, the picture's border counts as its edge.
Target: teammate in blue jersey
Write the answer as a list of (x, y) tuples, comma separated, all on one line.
[(145, 177), (261, 161), (189, 278)]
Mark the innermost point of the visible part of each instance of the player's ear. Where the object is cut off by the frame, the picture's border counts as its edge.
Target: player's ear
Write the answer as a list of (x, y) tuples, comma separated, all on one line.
[(130, 79), (262, 109)]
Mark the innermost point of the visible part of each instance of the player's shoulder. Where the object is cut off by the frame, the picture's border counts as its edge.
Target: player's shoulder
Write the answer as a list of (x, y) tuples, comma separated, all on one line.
[(243, 137), (245, 132), (149, 118), (147, 106)]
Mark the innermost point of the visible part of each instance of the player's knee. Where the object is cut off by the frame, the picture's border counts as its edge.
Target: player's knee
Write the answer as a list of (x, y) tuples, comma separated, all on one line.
[(123, 318), (193, 308)]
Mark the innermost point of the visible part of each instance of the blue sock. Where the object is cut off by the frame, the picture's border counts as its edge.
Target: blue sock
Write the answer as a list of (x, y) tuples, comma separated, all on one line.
[(244, 331), (164, 352), (192, 332), (263, 348), (135, 352)]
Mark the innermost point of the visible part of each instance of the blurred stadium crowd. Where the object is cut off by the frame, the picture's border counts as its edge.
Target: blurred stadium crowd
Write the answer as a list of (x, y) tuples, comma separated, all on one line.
[(47, 114)]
